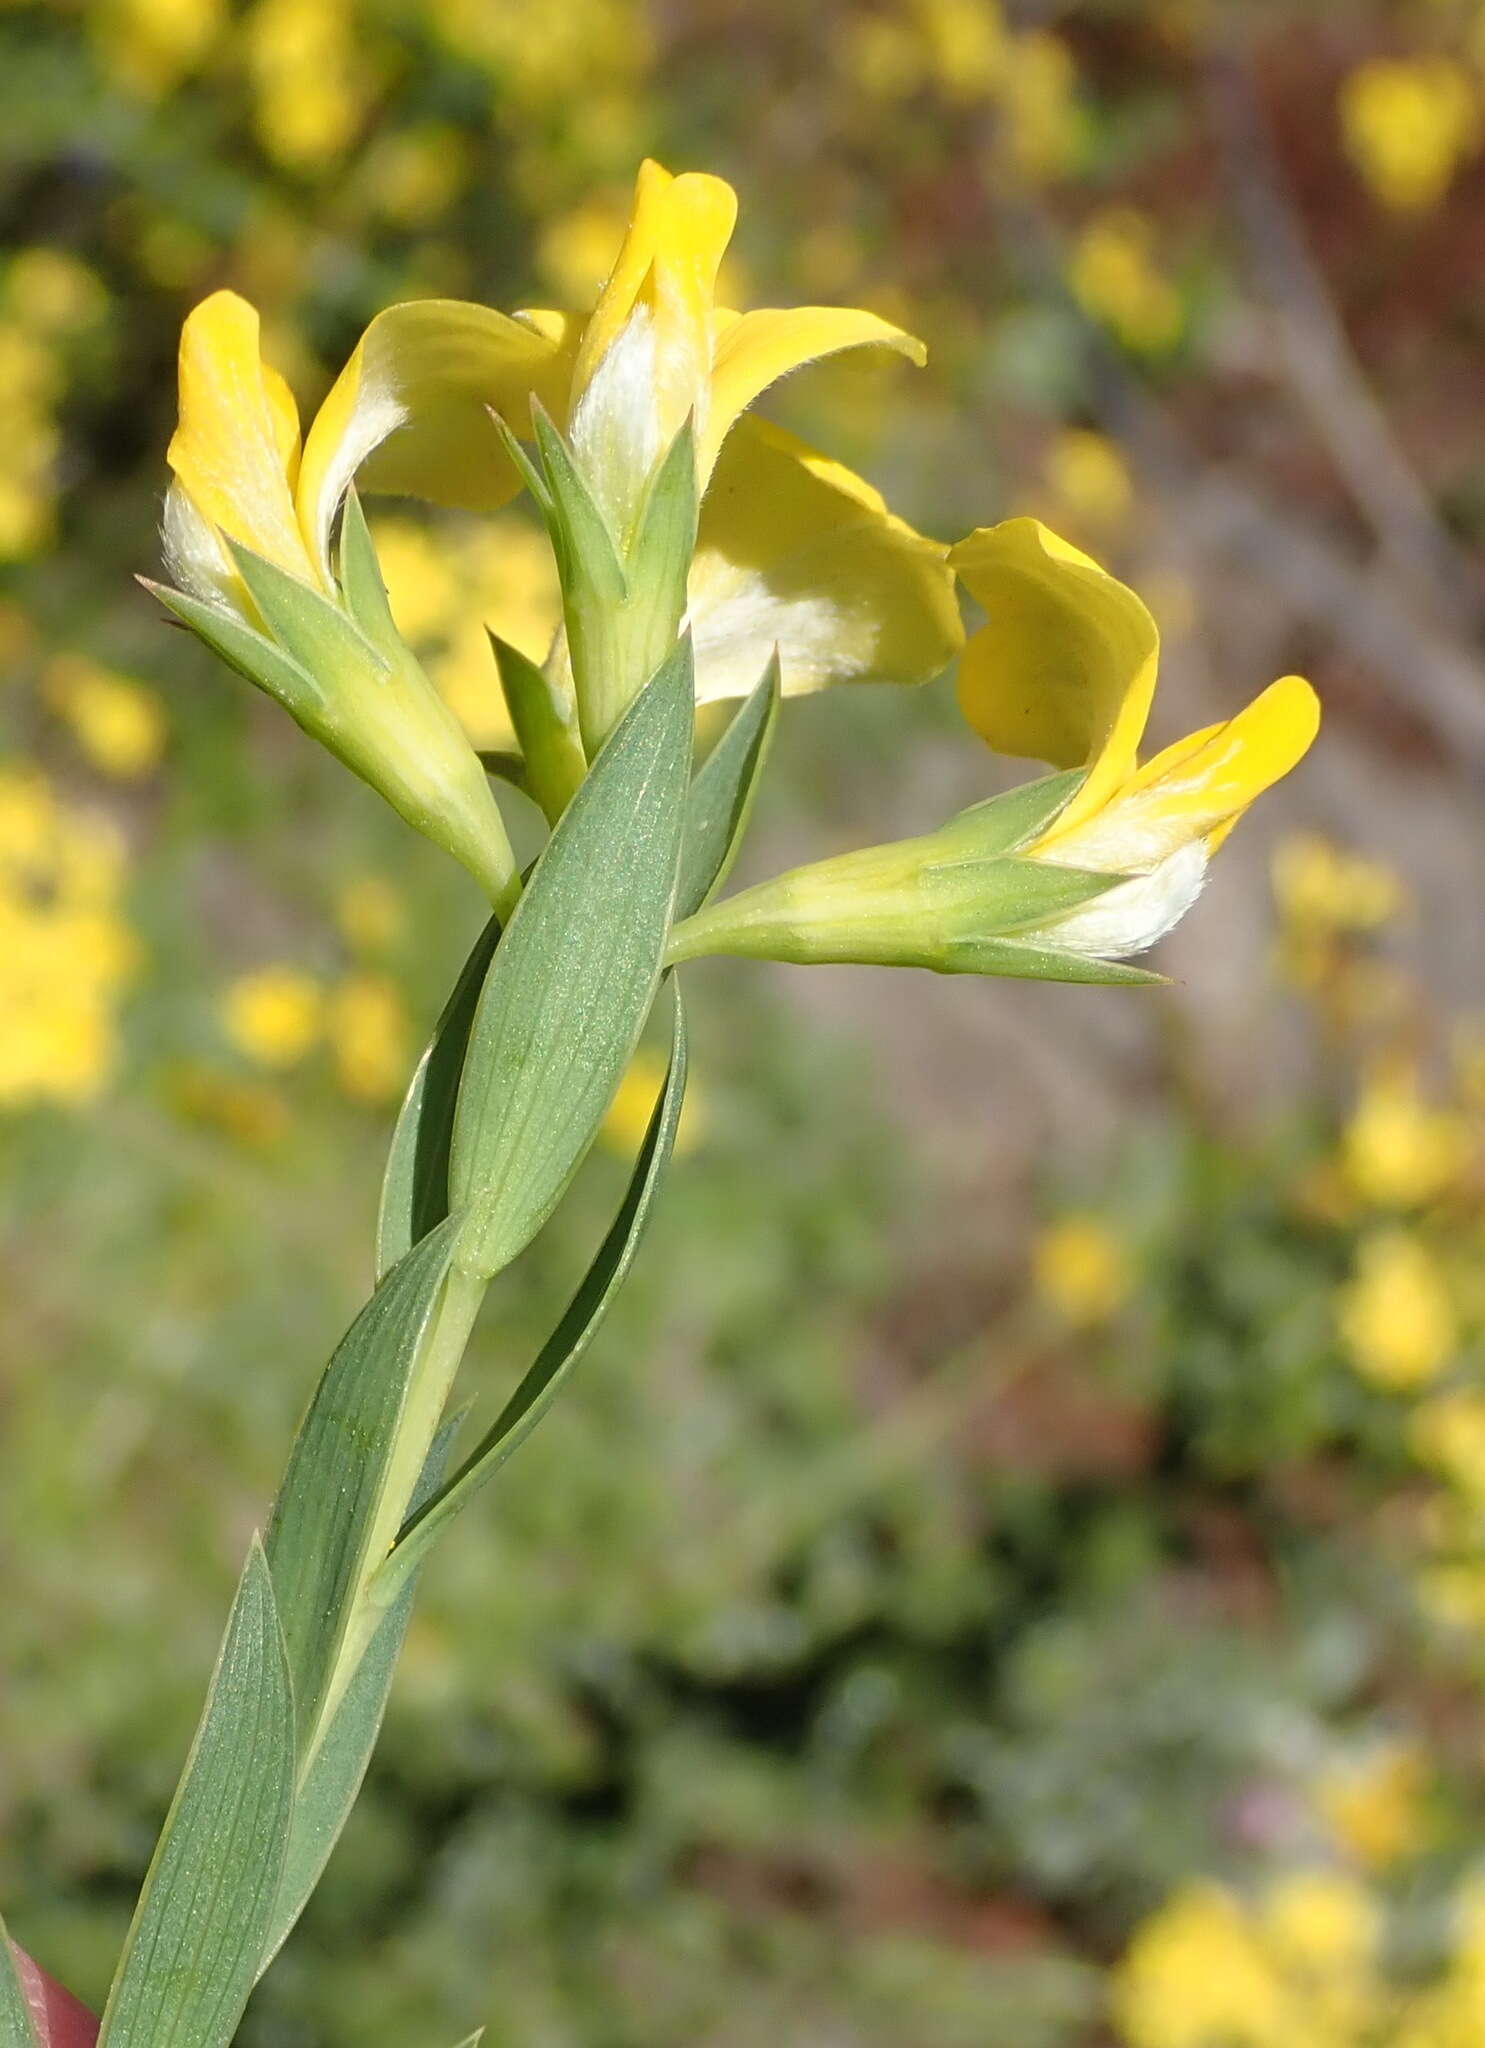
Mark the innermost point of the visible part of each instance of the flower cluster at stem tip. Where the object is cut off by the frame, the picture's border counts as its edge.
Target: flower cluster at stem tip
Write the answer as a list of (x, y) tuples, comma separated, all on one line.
[(635, 412)]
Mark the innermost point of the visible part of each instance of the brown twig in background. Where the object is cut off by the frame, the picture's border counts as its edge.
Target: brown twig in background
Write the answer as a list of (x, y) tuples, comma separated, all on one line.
[(1316, 357)]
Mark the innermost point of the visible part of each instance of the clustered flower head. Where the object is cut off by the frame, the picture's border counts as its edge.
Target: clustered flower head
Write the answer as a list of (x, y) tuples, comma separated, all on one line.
[(672, 509)]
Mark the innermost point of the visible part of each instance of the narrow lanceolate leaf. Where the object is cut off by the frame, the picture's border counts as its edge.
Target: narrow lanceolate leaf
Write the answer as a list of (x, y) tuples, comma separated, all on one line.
[(334, 1497), (192, 1953), (16, 2030), (551, 749), (567, 1343), (315, 632), (720, 801), (659, 557), (573, 978), (580, 533), (249, 652), (415, 1186), (328, 1789), (361, 582)]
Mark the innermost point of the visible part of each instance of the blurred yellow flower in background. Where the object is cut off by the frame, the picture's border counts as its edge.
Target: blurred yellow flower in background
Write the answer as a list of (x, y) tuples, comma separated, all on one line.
[(1089, 478), (311, 77), (1375, 1804), (52, 292), (371, 914), (149, 46), (66, 952), (251, 1113), (1196, 1976), (1324, 888), (1043, 124), (1081, 1270), (370, 1037), (1397, 1320), (1116, 279), (1447, 1432), (274, 1015), (1399, 1151), (623, 1128), (117, 721), (1408, 123)]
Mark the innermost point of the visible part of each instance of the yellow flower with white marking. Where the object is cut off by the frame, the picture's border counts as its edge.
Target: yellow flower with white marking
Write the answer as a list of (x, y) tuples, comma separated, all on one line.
[(1064, 671), (1062, 879)]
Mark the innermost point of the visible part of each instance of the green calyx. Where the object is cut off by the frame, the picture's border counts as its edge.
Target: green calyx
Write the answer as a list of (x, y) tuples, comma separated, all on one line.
[(344, 674), (623, 596), (963, 900)]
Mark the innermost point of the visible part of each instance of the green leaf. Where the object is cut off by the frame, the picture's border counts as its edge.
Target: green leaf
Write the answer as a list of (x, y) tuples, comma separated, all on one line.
[(328, 1789), (361, 582), (415, 1187), (586, 552), (574, 1333), (551, 749), (335, 1501), (1003, 823), (720, 801), (243, 649), (524, 467), (1041, 963), (16, 2027), (658, 561), (573, 978), (315, 632), (192, 1953)]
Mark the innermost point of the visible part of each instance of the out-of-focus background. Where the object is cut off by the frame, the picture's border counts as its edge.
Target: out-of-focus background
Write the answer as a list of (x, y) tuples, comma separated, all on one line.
[(1012, 1570)]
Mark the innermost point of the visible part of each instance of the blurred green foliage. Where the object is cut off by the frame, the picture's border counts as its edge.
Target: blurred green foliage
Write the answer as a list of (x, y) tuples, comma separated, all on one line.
[(863, 1650)]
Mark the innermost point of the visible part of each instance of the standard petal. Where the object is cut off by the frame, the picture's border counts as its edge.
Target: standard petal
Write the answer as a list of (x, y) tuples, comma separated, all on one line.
[(235, 446), (1195, 791), (414, 405), (796, 553), (753, 350), (678, 233), (1064, 668)]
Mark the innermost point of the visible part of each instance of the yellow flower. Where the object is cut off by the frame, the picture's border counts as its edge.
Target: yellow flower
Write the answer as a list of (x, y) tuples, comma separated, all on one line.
[(1374, 1805), (312, 84), (240, 477), (1064, 671), (1044, 127), (149, 46), (1398, 1150), (370, 1037), (53, 292), (1090, 477), (1397, 1322), (628, 1116), (118, 722), (370, 913), (1321, 1920), (1081, 1270), (843, 589), (1116, 280), (1408, 123), (1448, 1432), (66, 954), (1326, 889), (1197, 1976), (274, 1015)]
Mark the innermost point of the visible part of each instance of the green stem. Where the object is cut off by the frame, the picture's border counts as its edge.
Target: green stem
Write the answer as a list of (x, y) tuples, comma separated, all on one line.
[(427, 1398)]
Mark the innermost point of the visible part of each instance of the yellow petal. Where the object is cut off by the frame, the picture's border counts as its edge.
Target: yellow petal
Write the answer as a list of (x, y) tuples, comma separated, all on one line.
[(795, 552), (235, 448), (414, 404), (754, 350), (678, 232), (1064, 668), (1197, 789)]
